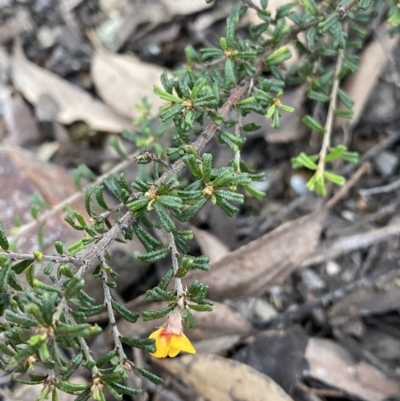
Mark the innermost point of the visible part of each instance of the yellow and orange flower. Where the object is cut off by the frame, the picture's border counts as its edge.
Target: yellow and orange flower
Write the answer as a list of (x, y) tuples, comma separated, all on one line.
[(170, 339)]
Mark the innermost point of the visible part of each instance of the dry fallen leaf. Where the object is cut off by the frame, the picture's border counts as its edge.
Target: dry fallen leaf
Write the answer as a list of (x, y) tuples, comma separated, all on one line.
[(123, 81), (264, 262), (74, 104), (210, 245), (22, 127), (219, 379), (331, 364), (184, 7)]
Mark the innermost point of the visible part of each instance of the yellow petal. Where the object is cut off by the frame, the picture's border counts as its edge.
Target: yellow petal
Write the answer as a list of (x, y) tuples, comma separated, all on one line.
[(182, 343), (162, 343), (173, 352)]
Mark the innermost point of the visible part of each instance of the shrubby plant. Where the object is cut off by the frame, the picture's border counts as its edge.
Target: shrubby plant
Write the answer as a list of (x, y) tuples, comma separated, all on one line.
[(244, 74)]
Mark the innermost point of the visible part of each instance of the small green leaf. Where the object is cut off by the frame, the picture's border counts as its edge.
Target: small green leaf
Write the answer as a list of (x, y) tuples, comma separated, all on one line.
[(76, 247), (313, 124), (98, 190), (152, 315), (318, 96), (349, 114), (3, 238), (227, 207), (148, 375), (193, 165), (148, 241), (190, 212), (21, 320), (164, 282), (211, 53), (106, 358), (317, 183), (201, 307), (206, 166), (230, 78), (126, 390), (304, 160), (88, 200), (335, 178), (5, 270), (251, 127), (230, 31), (165, 220), (13, 282), (328, 23), (170, 202), (158, 294), (229, 196), (166, 96), (254, 191), (188, 319), (153, 256), (48, 306), (233, 141), (279, 56), (78, 330), (124, 312), (197, 291), (74, 286), (84, 395), (167, 112), (146, 344), (21, 266), (73, 366), (345, 99), (30, 274), (311, 7), (70, 388), (82, 171), (137, 205)]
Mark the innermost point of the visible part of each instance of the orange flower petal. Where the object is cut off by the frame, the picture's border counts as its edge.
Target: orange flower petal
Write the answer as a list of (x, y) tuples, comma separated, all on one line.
[(163, 341)]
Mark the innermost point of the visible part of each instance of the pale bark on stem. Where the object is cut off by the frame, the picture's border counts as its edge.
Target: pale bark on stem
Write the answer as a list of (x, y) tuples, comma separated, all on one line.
[(326, 142), (175, 264), (111, 316)]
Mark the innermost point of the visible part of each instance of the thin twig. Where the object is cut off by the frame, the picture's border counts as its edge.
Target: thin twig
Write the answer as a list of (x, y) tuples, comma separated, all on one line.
[(379, 190), (342, 246), (175, 264), (83, 344), (347, 186), (46, 258), (114, 328), (371, 153), (298, 312), (326, 142), (238, 126)]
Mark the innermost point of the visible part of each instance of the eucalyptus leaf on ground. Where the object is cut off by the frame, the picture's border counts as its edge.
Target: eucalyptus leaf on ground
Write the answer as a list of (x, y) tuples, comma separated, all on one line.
[(219, 379), (73, 103), (123, 81), (264, 262)]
